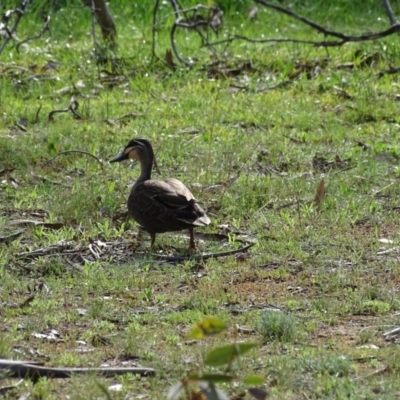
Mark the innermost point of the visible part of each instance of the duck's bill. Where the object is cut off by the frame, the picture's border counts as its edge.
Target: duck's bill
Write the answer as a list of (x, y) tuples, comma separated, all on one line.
[(120, 157)]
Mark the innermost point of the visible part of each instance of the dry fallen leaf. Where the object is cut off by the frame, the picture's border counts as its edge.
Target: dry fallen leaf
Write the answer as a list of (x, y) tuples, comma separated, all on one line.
[(320, 195), (170, 60), (253, 12)]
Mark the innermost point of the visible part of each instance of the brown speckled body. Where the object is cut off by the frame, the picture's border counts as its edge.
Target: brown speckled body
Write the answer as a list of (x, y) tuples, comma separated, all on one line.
[(160, 205)]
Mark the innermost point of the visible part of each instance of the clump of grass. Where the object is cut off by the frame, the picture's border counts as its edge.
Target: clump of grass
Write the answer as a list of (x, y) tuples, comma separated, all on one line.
[(328, 364), (375, 307), (276, 325)]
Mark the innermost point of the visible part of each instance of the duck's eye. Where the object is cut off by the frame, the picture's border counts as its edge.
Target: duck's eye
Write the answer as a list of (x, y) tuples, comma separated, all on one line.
[(132, 153)]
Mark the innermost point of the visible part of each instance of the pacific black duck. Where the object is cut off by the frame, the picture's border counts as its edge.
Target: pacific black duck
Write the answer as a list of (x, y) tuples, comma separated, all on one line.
[(159, 206)]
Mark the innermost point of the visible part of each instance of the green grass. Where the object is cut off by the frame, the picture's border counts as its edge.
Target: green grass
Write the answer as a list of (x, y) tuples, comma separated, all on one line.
[(254, 157)]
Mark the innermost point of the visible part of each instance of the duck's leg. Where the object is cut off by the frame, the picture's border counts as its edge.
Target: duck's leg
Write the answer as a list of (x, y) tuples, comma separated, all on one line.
[(192, 246), (153, 239)]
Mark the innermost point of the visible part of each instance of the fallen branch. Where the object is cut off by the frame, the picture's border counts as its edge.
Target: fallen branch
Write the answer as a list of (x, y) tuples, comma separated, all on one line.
[(392, 333), (26, 369), (374, 373), (12, 237), (72, 108), (390, 71), (5, 389), (202, 257), (55, 249), (74, 151)]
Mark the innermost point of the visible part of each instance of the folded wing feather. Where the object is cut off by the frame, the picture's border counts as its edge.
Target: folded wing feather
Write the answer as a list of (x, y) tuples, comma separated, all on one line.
[(176, 197)]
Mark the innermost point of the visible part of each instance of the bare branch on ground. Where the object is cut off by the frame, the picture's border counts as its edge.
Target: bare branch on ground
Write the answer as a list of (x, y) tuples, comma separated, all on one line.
[(74, 151), (390, 71), (202, 257), (26, 369), (72, 108)]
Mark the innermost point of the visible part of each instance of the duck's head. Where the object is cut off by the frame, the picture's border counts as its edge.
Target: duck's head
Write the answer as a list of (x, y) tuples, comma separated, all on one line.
[(136, 149)]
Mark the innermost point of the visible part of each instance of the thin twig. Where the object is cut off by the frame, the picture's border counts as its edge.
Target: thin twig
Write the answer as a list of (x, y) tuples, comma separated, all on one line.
[(12, 237), (36, 120), (26, 369), (174, 48), (5, 389), (74, 151), (231, 38), (323, 43), (308, 22), (377, 372), (203, 256), (393, 332), (339, 35), (390, 71), (72, 108)]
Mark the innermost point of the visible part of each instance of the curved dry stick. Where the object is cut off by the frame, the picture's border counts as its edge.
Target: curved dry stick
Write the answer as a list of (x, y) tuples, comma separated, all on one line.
[(389, 12), (12, 237), (202, 257), (322, 43), (390, 71), (231, 38), (308, 22), (25, 369), (173, 45), (62, 110), (36, 120), (74, 151), (344, 38)]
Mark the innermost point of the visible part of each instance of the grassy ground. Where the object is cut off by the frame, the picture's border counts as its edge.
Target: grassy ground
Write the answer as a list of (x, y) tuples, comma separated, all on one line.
[(316, 292)]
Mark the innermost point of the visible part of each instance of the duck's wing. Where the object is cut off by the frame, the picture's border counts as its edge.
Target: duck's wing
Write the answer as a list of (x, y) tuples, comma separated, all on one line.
[(176, 198)]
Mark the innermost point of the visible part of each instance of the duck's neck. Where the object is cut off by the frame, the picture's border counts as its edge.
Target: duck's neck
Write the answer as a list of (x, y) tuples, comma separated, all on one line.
[(146, 165)]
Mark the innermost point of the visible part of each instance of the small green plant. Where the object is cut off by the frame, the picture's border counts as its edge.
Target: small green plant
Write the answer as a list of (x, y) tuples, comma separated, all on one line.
[(276, 325), (225, 356), (147, 294), (374, 307), (365, 336)]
